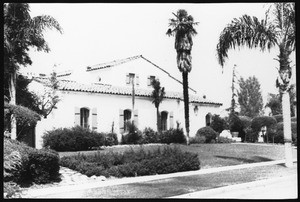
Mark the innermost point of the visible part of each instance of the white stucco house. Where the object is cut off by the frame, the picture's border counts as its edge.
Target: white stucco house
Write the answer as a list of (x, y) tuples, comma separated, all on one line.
[(100, 97)]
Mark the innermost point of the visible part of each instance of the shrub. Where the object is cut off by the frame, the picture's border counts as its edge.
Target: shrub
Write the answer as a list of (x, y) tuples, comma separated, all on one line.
[(172, 136), (12, 159), (11, 189), (197, 140), (224, 140), (133, 136), (250, 135), (278, 134), (134, 163), (150, 136), (278, 117), (261, 121), (218, 124), (208, 133), (111, 139), (38, 166), (73, 139)]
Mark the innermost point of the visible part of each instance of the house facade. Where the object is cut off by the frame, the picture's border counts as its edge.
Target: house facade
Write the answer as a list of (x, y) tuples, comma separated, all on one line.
[(101, 97)]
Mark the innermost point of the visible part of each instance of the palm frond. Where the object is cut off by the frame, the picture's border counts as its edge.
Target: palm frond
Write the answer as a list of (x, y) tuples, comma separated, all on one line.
[(245, 31)]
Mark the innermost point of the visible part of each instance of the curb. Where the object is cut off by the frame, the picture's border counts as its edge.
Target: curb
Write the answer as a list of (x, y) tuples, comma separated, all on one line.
[(69, 188)]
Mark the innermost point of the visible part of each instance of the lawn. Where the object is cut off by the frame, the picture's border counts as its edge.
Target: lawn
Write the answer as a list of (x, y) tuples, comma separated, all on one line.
[(213, 155)]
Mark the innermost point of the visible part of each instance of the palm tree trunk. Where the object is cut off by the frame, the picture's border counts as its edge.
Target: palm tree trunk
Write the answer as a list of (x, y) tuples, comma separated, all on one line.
[(186, 105), (12, 92), (286, 112), (158, 120)]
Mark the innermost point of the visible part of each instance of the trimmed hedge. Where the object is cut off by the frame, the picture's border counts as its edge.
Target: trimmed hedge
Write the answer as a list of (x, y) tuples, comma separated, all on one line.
[(207, 132), (133, 163), (38, 166), (77, 139), (172, 136)]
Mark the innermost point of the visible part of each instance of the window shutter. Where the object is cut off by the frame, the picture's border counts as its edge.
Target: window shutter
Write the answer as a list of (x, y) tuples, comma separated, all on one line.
[(121, 121), (137, 79), (171, 120), (94, 119), (77, 116), (136, 116), (148, 80), (127, 79)]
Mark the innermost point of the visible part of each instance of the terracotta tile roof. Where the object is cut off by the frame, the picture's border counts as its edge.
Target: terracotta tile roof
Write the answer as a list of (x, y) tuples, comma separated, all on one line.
[(67, 85)]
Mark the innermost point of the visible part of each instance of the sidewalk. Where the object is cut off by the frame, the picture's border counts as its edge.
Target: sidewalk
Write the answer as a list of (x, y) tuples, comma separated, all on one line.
[(275, 188), (100, 189)]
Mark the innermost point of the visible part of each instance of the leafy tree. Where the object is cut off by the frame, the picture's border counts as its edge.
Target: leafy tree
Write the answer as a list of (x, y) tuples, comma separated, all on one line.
[(249, 97), (21, 32), (158, 94), (276, 30), (182, 27), (274, 103)]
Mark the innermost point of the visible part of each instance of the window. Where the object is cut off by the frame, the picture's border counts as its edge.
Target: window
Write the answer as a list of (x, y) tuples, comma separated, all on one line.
[(84, 117), (150, 79), (129, 78), (127, 119), (164, 119), (208, 119)]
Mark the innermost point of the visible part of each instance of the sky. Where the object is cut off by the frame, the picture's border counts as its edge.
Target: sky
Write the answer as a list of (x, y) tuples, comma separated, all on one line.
[(101, 32)]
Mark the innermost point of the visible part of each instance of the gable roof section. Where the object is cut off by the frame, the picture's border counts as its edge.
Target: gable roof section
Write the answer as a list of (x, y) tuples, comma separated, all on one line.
[(121, 61), (68, 85)]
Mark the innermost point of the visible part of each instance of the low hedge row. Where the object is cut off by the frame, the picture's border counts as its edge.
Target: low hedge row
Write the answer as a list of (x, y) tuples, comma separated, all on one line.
[(38, 166), (150, 136), (77, 139), (133, 163)]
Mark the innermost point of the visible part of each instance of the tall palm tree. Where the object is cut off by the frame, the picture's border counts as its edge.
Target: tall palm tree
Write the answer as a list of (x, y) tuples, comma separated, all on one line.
[(158, 94), (276, 30), (20, 33), (182, 27)]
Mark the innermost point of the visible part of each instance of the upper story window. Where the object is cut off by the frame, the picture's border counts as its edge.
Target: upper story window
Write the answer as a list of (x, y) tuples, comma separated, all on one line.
[(150, 79), (84, 117), (132, 77)]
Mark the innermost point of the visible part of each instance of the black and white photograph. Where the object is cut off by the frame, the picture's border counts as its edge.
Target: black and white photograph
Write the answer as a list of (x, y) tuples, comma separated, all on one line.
[(150, 100)]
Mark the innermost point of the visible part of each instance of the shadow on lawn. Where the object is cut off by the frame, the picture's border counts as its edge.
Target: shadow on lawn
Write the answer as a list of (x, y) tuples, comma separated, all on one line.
[(254, 159)]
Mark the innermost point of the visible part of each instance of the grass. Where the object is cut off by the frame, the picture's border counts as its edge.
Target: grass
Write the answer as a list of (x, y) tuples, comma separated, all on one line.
[(214, 155)]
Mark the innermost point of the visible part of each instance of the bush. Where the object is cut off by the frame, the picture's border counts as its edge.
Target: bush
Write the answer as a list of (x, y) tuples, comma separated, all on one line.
[(279, 136), (150, 136), (250, 135), (224, 140), (218, 124), (197, 140), (278, 117), (73, 139), (134, 135), (172, 136), (38, 166), (111, 139), (134, 163), (208, 133), (261, 121)]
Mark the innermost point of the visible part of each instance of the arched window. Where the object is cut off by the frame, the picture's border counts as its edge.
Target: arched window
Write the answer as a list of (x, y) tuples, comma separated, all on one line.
[(208, 119), (84, 117), (127, 119), (164, 120)]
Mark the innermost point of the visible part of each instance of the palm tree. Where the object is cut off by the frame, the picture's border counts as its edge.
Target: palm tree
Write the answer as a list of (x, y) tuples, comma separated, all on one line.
[(183, 30), (158, 94), (20, 33), (276, 30)]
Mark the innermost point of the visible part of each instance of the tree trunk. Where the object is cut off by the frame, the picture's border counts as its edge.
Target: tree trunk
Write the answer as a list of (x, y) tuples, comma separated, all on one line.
[(158, 120), (12, 93), (186, 105), (287, 130)]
